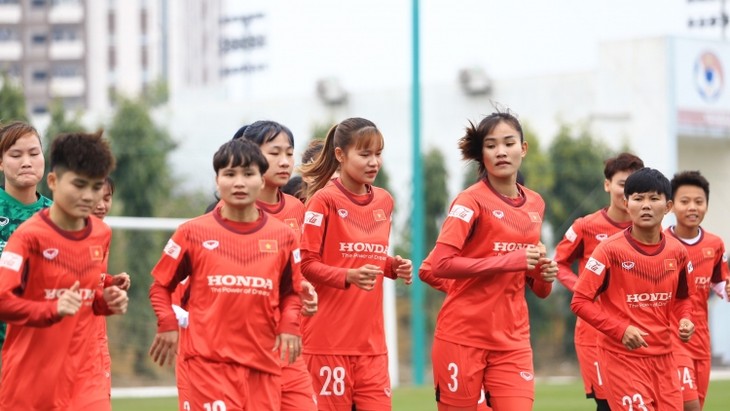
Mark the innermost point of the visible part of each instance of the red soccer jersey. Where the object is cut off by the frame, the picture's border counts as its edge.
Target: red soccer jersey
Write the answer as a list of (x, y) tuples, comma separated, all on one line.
[(346, 231), (489, 311), (577, 245), (710, 267), (238, 274), (639, 285), (288, 210), (43, 364)]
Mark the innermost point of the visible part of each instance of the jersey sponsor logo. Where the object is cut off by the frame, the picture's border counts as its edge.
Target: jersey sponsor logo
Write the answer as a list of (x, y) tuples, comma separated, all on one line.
[(172, 249), (268, 246), (312, 218), (56, 293), (342, 212), (11, 260), (702, 280), (601, 236), (97, 253), (379, 215), (296, 255), (670, 264), (571, 235), (50, 253), (211, 244), (4, 221), (648, 297), (595, 266), (230, 280), (461, 212), (292, 222), (502, 246), (498, 213), (708, 252), (627, 265), (526, 375), (363, 248)]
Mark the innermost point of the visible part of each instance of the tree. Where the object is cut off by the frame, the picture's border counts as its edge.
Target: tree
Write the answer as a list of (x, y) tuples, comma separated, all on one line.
[(143, 181), (12, 101), (61, 123)]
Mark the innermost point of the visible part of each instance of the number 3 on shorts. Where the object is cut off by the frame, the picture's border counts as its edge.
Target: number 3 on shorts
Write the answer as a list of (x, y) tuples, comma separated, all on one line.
[(454, 371), (334, 377), (637, 400)]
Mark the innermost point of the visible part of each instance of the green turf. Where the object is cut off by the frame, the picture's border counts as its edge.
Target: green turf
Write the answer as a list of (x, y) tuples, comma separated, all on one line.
[(549, 397)]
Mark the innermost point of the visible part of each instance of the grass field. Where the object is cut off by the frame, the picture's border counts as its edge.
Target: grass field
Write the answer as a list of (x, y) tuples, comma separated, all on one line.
[(549, 397)]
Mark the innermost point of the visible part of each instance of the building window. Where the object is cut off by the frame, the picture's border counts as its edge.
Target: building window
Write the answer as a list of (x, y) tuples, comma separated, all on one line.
[(38, 3), (40, 109), (40, 75), (8, 34), (143, 21), (66, 70), (60, 33), (9, 1), (110, 22)]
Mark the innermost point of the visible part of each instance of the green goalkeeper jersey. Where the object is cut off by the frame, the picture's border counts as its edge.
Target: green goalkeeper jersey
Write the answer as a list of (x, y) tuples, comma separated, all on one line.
[(12, 214)]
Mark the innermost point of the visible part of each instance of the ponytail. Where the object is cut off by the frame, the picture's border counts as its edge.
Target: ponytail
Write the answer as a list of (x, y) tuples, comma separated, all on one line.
[(323, 167)]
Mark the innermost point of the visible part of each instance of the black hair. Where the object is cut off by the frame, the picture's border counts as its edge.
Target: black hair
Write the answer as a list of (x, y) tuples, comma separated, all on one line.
[(472, 143), (690, 178), (622, 162), (647, 180), (261, 132), (87, 154), (239, 153)]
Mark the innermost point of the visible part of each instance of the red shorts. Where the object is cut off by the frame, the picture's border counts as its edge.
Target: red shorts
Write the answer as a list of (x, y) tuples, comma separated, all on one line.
[(460, 372), (183, 385), (297, 393), (341, 381), (591, 371), (644, 383), (694, 377), (232, 386)]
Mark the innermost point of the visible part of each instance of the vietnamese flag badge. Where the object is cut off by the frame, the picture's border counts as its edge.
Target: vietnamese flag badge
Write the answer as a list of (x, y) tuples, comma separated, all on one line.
[(268, 246), (670, 264)]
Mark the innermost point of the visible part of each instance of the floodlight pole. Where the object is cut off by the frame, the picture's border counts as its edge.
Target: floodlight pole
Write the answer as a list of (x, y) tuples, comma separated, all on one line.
[(417, 214)]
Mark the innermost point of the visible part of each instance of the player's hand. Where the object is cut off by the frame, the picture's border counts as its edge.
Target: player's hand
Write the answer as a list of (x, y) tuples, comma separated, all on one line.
[(364, 277), (686, 329), (548, 269), (289, 346), (533, 257), (309, 299), (116, 299), (542, 248), (122, 280), (403, 268), (727, 290), (634, 338), (164, 347), (70, 301)]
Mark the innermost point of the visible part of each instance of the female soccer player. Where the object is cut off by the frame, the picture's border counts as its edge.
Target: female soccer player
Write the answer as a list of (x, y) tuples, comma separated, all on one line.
[(640, 276), (22, 164), (489, 245), (344, 254), (691, 197)]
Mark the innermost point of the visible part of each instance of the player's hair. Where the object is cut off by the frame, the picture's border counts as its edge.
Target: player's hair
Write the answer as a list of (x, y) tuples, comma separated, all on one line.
[(647, 180), (352, 132), (312, 151), (690, 178), (263, 131), (472, 143), (10, 133), (239, 153), (110, 182), (622, 162), (87, 154), (295, 187), (239, 132)]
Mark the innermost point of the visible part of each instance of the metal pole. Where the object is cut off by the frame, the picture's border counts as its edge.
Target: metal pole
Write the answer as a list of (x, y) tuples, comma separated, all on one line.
[(417, 216)]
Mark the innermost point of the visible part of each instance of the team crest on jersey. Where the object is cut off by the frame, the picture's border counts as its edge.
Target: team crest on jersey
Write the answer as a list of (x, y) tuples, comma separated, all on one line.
[(172, 249), (268, 246), (498, 213), (97, 253), (601, 236), (50, 253), (670, 264), (388, 392), (211, 244), (379, 215), (4, 221), (527, 376), (292, 223), (724, 257), (595, 266), (296, 255), (534, 216), (571, 235), (11, 260), (627, 265), (342, 212), (690, 267), (708, 252), (312, 218), (461, 212)]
